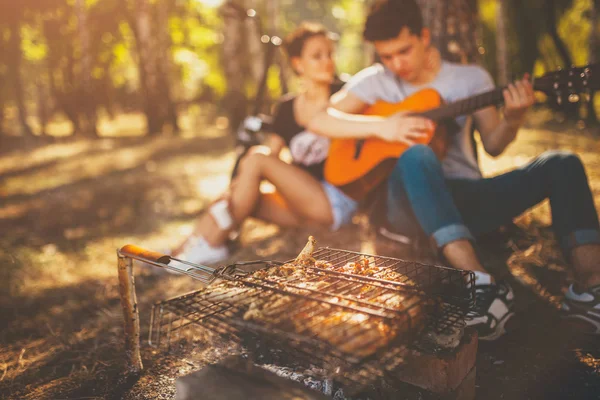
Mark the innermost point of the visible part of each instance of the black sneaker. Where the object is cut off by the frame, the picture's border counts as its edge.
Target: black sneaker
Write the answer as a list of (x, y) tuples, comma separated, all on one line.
[(582, 308), (494, 305)]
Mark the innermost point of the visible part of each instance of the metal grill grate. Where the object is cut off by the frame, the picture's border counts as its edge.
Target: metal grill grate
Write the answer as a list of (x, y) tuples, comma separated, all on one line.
[(454, 286), (347, 318), (187, 335), (343, 313)]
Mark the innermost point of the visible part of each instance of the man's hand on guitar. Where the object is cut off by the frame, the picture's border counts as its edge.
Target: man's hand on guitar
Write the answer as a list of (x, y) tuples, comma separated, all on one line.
[(518, 97), (405, 128)]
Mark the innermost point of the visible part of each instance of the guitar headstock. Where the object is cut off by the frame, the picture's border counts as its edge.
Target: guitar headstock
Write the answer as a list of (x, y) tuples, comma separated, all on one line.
[(568, 84)]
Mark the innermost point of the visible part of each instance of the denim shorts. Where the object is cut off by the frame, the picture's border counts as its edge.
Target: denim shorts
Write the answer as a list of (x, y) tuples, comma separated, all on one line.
[(342, 206)]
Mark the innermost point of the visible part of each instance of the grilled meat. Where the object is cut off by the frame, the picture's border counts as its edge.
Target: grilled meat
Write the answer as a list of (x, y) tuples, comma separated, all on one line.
[(305, 299), (336, 317), (305, 256)]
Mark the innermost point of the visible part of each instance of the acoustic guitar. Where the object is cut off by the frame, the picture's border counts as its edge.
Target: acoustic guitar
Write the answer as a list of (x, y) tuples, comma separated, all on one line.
[(358, 166)]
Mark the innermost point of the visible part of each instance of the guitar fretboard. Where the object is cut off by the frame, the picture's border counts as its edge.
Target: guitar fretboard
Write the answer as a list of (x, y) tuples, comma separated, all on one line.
[(468, 105)]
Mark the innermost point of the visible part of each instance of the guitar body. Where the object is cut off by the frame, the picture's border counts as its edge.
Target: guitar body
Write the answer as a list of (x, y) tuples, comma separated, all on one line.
[(357, 173)]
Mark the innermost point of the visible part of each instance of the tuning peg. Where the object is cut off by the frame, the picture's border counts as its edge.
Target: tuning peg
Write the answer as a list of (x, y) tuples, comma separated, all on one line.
[(573, 98), (558, 96)]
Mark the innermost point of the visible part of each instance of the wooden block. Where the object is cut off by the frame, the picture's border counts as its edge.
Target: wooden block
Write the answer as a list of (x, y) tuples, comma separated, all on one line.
[(466, 390), (237, 379), (441, 373)]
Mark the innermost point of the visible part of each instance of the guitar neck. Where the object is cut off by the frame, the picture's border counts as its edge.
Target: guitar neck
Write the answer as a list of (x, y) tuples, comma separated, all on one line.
[(466, 106)]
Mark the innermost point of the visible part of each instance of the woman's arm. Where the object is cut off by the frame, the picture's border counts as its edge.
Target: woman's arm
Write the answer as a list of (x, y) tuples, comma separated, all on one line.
[(342, 119)]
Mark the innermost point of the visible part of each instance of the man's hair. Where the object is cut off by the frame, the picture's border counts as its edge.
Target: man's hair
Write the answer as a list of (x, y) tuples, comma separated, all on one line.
[(294, 42), (387, 18)]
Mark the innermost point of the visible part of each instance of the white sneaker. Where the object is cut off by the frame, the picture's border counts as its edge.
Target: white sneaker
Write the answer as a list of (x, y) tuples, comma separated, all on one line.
[(582, 309), (198, 251)]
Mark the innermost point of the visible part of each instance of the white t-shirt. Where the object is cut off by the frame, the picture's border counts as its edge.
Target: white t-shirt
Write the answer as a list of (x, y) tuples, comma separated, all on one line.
[(453, 82)]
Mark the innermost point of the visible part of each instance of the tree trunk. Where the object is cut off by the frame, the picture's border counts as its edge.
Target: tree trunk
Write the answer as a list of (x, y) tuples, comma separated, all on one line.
[(594, 44), (1, 115), (558, 42), (256, 49), (87, 116), (69, 95), (570, 109), (14, 65), (454, 26), (149, 74), (3, 81), (594, 41), (63, 96), (431, 11), (274, 13), (518, 17), (165, 66), (42, 105), (502, 56), (234, 61), (109, 96)]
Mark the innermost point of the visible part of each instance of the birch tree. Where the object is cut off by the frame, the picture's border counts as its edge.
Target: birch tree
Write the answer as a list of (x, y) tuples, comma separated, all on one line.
[(594, 44), (502, 53), (15, 60), (234, 61), (454, 28), (88, 118)]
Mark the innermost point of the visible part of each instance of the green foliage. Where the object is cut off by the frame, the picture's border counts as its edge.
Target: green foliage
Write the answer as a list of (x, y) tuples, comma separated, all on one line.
[(575, 27), (530, 46), (33, 44), (197, 38), (51, 48)]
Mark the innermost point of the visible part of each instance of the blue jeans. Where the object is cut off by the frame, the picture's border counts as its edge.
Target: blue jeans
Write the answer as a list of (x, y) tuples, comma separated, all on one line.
[(421, 200)]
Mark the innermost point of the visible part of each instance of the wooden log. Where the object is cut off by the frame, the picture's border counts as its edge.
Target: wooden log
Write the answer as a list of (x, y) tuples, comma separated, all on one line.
[(130, 314), (466, 390), (440, 373)]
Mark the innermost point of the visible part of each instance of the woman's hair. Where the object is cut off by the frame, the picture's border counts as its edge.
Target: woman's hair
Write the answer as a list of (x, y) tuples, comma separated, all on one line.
[(387, 18), (294, 42)]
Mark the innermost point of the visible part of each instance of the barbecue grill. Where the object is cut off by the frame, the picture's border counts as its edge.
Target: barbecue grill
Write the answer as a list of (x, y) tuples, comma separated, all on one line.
[(324, 317)]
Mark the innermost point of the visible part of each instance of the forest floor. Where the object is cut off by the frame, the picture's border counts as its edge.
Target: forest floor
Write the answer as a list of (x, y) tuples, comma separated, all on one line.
[(66, 206)]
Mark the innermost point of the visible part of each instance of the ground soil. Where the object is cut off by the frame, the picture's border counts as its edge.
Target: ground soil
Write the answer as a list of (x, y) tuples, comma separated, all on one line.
[(66, 206)]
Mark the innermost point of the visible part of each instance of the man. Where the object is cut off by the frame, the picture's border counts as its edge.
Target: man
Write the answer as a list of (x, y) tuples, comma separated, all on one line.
[(449, 200)]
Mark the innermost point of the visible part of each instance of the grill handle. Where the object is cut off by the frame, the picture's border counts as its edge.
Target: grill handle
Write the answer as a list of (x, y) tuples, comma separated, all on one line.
[(199, 272), (136, 252)]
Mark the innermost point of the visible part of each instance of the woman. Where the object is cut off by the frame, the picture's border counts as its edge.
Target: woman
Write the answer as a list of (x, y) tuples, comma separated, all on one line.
[(301, 196)]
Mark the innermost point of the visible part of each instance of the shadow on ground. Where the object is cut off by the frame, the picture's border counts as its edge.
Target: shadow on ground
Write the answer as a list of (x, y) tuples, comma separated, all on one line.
[(62, 217)]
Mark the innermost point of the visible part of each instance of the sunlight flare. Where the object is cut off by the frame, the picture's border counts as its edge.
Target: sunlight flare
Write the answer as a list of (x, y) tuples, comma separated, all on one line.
[(210, 3)]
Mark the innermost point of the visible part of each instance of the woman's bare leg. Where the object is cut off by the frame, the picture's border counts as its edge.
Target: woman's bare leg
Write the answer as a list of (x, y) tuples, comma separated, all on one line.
[(300, 191), (273, 208), (299, 197)]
